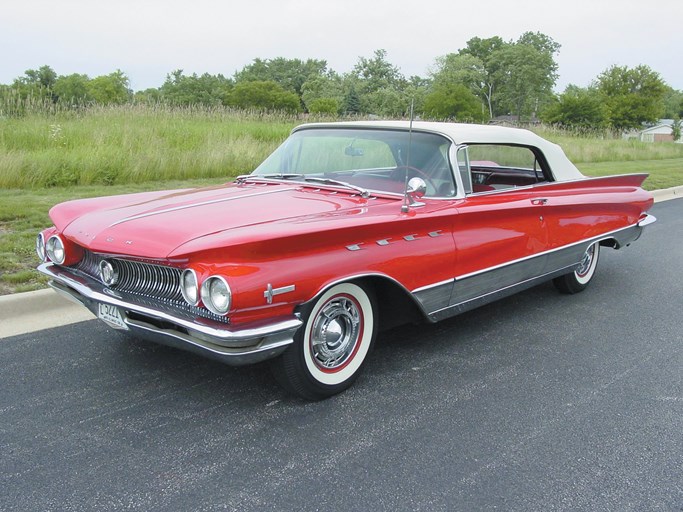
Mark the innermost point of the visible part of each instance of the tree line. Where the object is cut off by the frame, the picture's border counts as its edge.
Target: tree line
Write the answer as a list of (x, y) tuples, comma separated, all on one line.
[(487, 78)]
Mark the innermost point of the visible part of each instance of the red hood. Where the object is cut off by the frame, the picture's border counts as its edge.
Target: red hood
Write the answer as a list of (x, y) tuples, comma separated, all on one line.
[(154, 225)]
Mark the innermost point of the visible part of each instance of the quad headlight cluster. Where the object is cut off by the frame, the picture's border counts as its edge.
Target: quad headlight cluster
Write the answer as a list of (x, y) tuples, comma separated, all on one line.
[(214, 292), (57, 249)]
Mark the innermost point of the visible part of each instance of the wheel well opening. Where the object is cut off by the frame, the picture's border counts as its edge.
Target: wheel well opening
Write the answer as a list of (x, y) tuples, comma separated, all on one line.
[(395, 305), (610, 242)]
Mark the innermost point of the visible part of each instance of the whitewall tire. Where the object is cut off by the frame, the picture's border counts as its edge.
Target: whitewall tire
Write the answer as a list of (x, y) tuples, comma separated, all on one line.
[(329, 350), (578, 280)]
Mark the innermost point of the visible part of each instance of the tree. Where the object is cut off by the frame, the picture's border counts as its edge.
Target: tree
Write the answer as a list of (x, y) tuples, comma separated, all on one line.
[(266, 95), (676, 128), (322, 87), (323, 106), (525, 72), (632, 96), (351, 103), (576, 108), (673, 103), (380, 86), (525, 76), (482, 50), (464, 69), (44, 76), (110, 89), (377, 73), (543, 43), (386, 102), (207, 90), (290, 74), (515, 76), (453, 101), (151, 96), (72, 89), (36, 84), (416, 92)]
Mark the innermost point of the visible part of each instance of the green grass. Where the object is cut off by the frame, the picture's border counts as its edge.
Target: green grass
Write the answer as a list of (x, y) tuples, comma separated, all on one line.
[(663, 173), (134, 144), (604, 147), (50, 157)]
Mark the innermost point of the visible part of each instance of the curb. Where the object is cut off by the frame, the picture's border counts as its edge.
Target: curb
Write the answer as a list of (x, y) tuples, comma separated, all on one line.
[(666, 194), (26, 312), (22, 313)]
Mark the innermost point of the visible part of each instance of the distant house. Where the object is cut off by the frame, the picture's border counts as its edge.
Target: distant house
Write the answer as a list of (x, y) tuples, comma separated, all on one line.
[(661, 132)]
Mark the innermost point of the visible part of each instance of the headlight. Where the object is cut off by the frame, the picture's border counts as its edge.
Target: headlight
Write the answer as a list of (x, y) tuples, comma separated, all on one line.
[(216, 295), (40, 247), (189, 286), (55, 249)]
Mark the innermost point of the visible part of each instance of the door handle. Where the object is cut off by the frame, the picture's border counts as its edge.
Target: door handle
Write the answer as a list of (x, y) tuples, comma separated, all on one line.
[(539, 202)]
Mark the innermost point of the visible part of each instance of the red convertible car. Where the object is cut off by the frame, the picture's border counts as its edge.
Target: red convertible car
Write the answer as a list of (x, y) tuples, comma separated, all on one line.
[(345, 229)]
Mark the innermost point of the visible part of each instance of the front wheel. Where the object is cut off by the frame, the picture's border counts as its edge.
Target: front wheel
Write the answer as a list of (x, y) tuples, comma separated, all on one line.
[(330, 348), (578, 280)]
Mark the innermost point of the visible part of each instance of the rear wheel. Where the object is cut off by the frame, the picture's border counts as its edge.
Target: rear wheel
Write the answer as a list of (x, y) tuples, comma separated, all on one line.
[(329, 350), (578, 280)]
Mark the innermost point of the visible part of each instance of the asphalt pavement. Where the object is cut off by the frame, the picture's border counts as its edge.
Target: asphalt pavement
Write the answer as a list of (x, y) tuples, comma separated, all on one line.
[(540, 401)]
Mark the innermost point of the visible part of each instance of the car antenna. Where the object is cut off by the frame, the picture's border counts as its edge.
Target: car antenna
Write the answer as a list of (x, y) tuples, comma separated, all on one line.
[(405, 208)]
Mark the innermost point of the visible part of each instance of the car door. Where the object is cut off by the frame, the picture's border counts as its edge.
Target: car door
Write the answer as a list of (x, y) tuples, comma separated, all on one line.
[(500, 238)]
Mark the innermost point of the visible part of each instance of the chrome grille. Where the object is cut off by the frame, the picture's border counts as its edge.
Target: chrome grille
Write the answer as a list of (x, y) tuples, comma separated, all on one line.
[(90, 265), (149, 280), (159, 283)]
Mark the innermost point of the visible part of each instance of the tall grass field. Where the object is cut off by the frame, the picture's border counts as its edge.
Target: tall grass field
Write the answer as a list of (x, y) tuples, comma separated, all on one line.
[(51, 156)]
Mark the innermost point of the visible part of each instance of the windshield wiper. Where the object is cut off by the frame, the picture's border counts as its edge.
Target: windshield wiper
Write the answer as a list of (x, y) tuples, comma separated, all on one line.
[(327, 181), (272, 176), (292, 176)]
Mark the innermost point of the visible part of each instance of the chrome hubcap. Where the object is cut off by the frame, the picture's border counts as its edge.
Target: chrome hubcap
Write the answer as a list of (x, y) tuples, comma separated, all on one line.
[(335, 333), (586, 261)]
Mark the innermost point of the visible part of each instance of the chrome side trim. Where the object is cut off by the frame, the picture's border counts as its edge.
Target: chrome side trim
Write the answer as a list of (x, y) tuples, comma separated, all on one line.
[(430, 286), (475, 302), (272, 292), (435, 297)]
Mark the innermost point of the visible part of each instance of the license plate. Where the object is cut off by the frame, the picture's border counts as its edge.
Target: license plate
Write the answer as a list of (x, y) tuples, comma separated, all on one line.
[(111, 315)]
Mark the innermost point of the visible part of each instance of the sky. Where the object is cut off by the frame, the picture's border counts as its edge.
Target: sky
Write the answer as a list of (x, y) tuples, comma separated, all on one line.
[(147, 39)]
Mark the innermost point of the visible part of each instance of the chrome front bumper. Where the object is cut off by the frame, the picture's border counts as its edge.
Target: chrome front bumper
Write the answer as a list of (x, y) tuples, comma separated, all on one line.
[(236, 346)]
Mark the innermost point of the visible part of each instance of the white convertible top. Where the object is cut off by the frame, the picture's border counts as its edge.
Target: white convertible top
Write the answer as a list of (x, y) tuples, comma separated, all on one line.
[(560, 166)]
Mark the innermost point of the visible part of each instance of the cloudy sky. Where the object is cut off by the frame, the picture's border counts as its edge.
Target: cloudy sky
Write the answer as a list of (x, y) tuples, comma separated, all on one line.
[(149, 38)]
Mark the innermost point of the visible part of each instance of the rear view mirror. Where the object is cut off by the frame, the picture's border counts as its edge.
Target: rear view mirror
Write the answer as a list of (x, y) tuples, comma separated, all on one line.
[(351, 151)]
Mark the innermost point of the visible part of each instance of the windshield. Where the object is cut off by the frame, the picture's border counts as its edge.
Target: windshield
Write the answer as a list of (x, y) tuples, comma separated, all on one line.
[(372, 159)]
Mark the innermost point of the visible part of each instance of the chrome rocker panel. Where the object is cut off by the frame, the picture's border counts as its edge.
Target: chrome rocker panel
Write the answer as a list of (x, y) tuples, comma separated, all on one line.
[(234, 346)]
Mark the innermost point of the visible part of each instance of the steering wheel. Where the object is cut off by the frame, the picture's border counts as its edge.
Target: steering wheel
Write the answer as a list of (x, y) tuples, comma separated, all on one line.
[(397, 173)]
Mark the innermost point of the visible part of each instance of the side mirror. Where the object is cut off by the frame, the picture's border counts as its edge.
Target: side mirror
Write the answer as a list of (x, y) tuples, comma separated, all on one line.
[(416, 190)]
